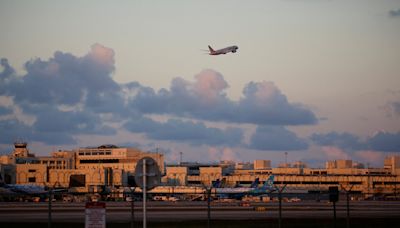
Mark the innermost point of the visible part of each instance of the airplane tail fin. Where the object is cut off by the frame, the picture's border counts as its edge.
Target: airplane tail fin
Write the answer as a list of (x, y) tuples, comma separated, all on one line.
[(269, 183), (216, 183), (255, 183), (223, 182), (211, 49)]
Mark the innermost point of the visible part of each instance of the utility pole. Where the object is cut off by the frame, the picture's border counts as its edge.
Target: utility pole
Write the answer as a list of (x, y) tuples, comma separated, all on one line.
[(286, 158), (208, 207), (49, 209), (280, 190), (132, 207), (180, 158), (348, 204)]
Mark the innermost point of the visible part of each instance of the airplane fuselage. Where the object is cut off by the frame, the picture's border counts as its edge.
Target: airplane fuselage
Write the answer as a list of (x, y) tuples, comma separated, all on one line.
[(232, 49)]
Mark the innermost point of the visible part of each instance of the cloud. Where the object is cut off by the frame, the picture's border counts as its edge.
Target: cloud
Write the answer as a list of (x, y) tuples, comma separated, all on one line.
[(229, 155), (262, 103), (384, 141), (394, 108), (334, 153), (276, 138), (11, 130), (394, 13), (185, 131), (65, 95), (340, 140), (7, 71), (381, 141), (370, 157), (70, 122), (5, 111), (222, 154), (58, 99), (67, 80)]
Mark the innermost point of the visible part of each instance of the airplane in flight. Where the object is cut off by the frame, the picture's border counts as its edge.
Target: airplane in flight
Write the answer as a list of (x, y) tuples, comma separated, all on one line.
[(232, 49)]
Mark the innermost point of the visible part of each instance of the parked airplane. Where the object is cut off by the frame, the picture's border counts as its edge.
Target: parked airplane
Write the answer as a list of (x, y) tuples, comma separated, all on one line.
[(219, 183), (26, 189), (265, 188), (232, 49), (239, 192)]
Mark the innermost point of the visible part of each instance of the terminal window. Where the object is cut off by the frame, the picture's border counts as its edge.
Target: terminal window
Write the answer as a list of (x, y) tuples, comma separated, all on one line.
[(77, 180), (32, 179)]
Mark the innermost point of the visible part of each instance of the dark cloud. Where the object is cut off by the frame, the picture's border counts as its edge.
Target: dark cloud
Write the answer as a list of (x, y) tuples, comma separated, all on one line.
[(341, 140), (395, 107), (5, 111), (68, 80), (384, 141), (54, 138), (70, 122), (12, 130), (381, 141), (394, 13), (276, 138), (262, 103), (66, 94), (7, 70), (185, 131), (6, 74)]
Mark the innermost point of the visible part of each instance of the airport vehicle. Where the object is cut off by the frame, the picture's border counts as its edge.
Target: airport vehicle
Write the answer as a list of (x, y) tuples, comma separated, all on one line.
[(165, 198), (232, 49)]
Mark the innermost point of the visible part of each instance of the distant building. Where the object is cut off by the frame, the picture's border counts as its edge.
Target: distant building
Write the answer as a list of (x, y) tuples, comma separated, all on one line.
[(262, 164), (110, 167), (339, 164), (84, 169), (392, 163), (244, 165)]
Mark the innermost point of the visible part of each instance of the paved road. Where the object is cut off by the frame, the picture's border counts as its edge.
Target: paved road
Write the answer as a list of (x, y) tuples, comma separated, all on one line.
[(184, 211)]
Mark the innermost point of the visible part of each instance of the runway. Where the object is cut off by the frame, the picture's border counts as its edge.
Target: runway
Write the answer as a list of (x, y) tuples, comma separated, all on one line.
[(120, 212)]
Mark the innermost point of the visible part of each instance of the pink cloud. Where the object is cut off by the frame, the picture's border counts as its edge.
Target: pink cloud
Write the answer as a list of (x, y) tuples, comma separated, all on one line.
[(334, 153), (229, 155), (372, 157), (209, 86), (102, 55)]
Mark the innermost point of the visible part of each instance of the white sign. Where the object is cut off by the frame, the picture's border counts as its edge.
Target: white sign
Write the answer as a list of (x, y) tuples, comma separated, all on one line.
[(95, 215)]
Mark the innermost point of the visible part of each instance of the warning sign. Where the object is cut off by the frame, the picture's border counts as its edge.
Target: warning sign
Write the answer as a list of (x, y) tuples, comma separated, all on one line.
[(95, 215)]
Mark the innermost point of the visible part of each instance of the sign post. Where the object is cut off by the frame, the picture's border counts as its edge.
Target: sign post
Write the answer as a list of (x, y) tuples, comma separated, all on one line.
[(147, 176), (334, 197), (95, 215)]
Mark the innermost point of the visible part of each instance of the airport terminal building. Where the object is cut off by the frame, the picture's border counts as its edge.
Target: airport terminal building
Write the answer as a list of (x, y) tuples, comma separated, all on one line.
[(81, 170), (108, 166)]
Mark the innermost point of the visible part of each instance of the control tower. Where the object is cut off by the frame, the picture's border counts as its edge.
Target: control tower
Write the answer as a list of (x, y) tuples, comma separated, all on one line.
[(20, 149)]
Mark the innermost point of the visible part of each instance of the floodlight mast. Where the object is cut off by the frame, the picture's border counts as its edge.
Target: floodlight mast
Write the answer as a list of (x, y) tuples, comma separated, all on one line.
[(144, 194)]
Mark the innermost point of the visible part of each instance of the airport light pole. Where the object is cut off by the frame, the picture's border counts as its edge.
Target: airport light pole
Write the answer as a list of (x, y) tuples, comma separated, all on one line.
[(208, 192), (280, 190), (347, 204), (132, 207), (49, 209), (208, 206), (333, 198)]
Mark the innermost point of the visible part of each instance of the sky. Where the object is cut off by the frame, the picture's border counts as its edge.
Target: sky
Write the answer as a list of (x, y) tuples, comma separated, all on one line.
[(318, 79)]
